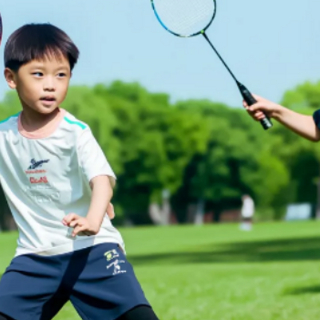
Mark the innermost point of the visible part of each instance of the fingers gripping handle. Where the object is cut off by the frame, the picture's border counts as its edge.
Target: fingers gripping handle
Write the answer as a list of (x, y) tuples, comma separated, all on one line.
[(250, 100)]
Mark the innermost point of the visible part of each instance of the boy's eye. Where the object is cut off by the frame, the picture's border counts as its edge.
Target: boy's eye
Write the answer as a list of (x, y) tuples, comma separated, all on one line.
[(37, 74), (61, 75)]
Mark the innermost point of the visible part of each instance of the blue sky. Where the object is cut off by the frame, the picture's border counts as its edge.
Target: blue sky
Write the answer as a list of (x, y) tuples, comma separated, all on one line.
[(270, 45)]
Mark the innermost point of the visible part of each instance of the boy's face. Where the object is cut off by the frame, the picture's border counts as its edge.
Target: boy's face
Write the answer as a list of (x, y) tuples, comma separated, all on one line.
[(41, 85)]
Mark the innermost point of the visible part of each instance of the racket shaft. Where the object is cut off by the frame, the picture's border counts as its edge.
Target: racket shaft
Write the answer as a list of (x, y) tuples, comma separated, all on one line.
[(247, 96), (250, 100)]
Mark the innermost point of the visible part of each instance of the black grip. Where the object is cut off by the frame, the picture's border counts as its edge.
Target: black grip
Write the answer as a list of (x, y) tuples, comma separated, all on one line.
[(250, 100)]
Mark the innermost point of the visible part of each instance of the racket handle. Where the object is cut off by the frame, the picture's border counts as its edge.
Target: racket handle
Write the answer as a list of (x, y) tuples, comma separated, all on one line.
[(250, 100)]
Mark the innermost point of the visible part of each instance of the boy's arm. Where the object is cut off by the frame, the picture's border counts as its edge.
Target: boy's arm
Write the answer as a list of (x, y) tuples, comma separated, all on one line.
[(301, 124), (100, 202), (99, 174), (110, 208), (100, 198)]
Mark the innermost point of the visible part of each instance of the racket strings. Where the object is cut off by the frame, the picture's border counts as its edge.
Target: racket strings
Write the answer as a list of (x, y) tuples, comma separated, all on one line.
[(185, 17)]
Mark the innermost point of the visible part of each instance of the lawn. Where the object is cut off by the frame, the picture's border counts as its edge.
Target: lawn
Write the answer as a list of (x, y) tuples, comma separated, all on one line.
[(218, 272)]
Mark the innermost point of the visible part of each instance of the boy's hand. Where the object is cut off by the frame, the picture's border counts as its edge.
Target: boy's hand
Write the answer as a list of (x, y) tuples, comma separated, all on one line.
[(80, 225), (261, 108)]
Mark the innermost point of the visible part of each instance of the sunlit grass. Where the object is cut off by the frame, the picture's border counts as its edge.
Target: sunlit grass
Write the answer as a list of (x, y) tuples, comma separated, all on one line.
[(218, 272)]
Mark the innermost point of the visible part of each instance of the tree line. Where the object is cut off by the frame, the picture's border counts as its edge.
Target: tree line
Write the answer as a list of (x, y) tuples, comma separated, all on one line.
[(198, 151)]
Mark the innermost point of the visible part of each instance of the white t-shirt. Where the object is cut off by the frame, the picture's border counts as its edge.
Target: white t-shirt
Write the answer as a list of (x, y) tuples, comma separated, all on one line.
[(45, 176)]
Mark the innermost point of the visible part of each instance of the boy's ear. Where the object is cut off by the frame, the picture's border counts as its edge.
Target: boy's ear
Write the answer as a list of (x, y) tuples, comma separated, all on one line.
[(10, 78)]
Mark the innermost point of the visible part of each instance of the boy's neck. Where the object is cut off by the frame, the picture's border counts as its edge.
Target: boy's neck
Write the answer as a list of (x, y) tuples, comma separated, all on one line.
[(33, 121)]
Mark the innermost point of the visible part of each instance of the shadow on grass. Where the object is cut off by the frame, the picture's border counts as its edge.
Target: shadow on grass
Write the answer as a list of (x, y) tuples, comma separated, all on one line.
[(304, 290), (298, 249)]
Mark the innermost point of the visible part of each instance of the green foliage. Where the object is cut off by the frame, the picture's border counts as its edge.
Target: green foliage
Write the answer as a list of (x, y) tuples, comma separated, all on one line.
[(306, 95), (196, 149), (10, 105)]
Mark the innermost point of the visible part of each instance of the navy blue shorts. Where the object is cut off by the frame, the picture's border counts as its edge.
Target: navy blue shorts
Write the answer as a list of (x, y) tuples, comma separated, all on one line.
[(99, 282)]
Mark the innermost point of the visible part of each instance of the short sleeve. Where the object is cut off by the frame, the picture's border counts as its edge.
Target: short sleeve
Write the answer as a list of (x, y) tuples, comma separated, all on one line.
[(316, 118), (92, 159)]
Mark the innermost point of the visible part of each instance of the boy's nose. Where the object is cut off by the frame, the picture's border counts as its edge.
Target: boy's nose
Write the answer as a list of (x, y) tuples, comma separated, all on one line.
[(49, 85)]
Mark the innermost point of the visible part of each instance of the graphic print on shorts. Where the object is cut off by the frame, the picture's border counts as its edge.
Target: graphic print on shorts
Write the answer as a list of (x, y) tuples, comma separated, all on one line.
[(115, 263)]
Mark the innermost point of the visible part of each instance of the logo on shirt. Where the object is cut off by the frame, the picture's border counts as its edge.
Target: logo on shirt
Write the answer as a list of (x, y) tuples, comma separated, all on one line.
[(37, 164), (38, 180), (35, 168)]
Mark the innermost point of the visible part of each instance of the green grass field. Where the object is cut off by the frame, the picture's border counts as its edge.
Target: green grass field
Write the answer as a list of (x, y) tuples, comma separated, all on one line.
[(218, 272)]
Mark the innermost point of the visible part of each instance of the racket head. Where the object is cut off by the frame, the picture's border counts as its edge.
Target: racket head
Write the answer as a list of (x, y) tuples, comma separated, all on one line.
[(1, 29), (185, 18)]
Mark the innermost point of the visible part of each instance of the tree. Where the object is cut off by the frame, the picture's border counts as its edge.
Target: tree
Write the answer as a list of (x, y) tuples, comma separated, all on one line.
[(306, 95), (158, 142), (203, 154)]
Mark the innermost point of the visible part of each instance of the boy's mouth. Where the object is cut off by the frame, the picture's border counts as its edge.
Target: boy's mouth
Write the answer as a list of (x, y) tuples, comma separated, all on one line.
[(48, 101), (48, 98)]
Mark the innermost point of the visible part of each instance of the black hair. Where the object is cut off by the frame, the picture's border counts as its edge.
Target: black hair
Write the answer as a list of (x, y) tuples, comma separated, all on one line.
[(36, 42)]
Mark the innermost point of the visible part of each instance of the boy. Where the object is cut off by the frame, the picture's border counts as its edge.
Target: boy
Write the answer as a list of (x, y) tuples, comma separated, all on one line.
[(58, 184), (305, 126)]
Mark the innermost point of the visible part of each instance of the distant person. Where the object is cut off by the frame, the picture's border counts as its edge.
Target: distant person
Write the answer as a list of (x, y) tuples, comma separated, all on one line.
[(58, 184), (247, 213)]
